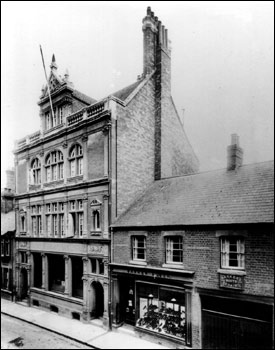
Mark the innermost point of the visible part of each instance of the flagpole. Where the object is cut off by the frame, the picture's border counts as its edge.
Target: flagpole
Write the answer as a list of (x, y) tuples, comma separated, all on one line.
[(47, 81)]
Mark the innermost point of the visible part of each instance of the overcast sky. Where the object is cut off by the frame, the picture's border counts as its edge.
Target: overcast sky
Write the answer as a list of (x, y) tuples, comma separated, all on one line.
[(222, 66)]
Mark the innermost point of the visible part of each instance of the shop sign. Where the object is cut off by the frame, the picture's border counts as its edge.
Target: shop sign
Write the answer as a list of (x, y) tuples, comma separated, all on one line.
[(231, 281)]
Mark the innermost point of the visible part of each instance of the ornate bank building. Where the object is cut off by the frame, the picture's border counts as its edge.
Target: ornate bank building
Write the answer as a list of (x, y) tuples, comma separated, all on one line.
[(85, 166)]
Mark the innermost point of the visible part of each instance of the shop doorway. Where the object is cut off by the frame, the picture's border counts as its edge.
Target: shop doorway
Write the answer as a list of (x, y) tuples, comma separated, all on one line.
[(96, 300), (23, 284)]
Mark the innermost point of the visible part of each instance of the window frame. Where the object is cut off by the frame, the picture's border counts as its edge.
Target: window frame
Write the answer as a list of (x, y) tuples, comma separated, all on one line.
[(169, 250), (136, 248), (225, 252), (76, 160), (54, 166)]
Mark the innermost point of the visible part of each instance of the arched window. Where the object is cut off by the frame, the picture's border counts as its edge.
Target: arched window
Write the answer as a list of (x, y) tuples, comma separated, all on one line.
[(96, 220), (36, 171), (76, 160), (54, 166)]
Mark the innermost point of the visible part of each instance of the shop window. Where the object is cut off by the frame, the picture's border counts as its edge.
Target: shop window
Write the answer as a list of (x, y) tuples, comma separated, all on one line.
[(76, 160), (139, 248), (174, 250), (161, 310), (232, 252), (56, 273), (77, 273), (37, 270), (5, 278)]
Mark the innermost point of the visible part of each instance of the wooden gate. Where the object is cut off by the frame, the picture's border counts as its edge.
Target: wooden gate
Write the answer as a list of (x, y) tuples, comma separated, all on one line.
[(226, 331)]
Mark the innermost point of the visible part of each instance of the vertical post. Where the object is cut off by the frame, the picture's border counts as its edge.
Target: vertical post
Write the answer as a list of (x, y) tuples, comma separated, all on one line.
[(188, 303), (66, 169), (66, 218), (105, 132), (106, 216), (85, 216), (28, 224), (45, 277), (85, 155), (68, 275)]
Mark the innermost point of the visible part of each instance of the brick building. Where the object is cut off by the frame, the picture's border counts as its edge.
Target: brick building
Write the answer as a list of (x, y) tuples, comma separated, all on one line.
[(89, 161), (7, 238), (193, 258)]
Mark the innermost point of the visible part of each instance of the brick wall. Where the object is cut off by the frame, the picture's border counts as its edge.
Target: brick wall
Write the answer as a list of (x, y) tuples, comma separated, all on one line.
[(201, 254), (135, 147), (177, 155)]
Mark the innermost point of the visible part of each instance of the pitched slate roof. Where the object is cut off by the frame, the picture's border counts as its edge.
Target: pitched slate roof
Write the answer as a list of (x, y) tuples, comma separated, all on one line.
[(7, 222), (214, 197), (125, 92), (79, 95)]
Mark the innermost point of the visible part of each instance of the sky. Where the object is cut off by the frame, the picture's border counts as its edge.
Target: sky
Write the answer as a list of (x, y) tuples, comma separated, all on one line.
[(222, 66)]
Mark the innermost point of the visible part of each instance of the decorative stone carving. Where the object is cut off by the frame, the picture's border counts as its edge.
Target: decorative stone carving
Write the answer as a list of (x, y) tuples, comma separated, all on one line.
[(84, 138), (85, 197), (96, 249), (95, 202), (106, 128), (65, 144)]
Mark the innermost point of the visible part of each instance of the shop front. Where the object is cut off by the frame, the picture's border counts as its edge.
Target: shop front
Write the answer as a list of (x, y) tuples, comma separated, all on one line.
[(154, 301)]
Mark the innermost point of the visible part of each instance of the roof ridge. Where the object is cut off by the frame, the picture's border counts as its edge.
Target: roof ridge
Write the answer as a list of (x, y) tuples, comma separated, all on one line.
[(214, 170)]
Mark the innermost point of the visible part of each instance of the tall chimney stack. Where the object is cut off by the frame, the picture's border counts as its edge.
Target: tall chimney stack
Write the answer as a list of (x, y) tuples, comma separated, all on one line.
[(234, 154)]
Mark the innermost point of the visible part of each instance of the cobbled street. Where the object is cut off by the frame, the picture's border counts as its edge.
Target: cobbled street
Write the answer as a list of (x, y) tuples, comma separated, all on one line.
[(16, 334)]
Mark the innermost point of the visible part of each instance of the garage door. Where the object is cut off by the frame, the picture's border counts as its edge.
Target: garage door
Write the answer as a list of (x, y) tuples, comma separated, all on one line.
[(231, 324)]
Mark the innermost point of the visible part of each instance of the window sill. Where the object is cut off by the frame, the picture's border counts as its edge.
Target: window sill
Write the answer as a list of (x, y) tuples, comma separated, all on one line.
[(137, 262), (54, 182), (232, 272), (95, 233), (173, 266), (76, 177)]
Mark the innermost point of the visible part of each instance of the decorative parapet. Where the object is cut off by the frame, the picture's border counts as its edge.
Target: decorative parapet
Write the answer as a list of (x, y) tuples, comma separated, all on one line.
[(85, 113), (75, 118), (96, 108)]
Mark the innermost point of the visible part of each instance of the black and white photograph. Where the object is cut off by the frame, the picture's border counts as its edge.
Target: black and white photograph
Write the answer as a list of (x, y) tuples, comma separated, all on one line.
[(137, 175)]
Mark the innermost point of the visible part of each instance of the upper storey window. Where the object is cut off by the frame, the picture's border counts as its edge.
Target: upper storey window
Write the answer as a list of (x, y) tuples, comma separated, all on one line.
[(232, 252), (54, 166), (76, 160), (36, 171), (55, 119)]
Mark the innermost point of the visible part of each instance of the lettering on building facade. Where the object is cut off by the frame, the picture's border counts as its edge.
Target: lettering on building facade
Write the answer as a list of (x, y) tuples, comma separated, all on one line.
[(231, 281)]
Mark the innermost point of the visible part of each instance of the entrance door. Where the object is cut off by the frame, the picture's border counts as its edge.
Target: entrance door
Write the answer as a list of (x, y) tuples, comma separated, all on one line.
[(243, 326), (96, 300), (23, 284)]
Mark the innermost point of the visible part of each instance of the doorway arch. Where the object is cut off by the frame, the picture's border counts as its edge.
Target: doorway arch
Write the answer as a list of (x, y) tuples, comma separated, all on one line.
[(96, 300)]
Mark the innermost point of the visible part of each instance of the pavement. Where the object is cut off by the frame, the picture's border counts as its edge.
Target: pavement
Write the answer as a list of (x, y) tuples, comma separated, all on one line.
[(93, 335)]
